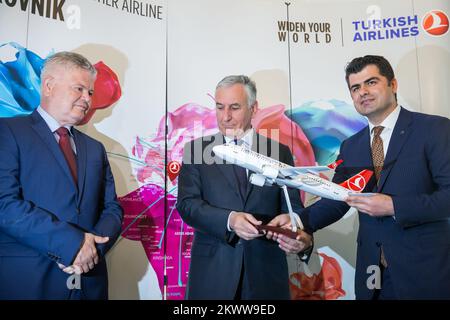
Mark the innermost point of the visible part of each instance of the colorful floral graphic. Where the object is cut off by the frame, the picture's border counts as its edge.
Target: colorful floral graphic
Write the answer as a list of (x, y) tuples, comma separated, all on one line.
[(327, 123), (20, 84), (273, 120), (326, 285), (166, 239)]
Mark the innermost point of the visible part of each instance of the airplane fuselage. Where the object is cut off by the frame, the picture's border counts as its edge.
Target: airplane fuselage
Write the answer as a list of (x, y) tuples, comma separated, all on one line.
[(269, 168)]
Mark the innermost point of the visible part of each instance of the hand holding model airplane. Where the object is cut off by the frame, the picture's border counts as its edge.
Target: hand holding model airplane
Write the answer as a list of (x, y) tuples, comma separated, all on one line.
[(268, 171)]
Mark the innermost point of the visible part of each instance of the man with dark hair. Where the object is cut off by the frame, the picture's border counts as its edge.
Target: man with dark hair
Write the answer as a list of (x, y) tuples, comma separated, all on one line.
[(384, 67), (229, 258), (404, 233), (59, 213)]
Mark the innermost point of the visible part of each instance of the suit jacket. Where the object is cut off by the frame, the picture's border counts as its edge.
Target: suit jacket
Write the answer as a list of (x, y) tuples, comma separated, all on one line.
[(208, 192), (416, 174), (44, 215)]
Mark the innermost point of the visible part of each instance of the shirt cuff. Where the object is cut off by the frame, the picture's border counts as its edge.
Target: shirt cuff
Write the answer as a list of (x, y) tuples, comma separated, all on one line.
[(228, 221)]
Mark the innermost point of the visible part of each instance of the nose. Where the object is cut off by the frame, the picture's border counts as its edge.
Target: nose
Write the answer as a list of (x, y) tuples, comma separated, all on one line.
[(227, 114), (363, 91), (86, 96)]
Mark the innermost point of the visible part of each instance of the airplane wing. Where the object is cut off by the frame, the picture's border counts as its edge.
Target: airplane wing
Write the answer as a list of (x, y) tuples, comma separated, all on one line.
[(360, 194), (294, 171)]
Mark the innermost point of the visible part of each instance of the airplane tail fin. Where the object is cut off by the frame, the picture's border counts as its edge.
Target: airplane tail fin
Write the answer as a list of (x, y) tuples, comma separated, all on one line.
[(335, 164), (358, 182)]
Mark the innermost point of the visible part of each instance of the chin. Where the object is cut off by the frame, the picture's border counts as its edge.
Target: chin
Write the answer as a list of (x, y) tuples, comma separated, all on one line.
[(364, 110), (77, 120)]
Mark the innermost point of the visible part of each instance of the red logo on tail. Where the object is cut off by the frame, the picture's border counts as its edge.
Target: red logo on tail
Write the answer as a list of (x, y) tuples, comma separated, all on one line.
[(358, 182), (335, 164)]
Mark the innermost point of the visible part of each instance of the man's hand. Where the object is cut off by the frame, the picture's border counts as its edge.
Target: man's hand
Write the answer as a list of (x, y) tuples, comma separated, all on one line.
[(300, 243), (289, 245), (282, 220), (378, 205), (87, 257), (243, 224), (69, 269)]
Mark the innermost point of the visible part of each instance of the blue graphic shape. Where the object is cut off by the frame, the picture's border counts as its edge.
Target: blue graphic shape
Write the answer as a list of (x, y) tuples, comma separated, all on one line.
[(327, 123), (20, 82)]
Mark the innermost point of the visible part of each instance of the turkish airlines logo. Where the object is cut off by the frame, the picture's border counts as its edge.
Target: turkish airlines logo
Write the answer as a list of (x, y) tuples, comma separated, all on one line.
[(173, 169), (357, 184), (435, 23), (310, 182)]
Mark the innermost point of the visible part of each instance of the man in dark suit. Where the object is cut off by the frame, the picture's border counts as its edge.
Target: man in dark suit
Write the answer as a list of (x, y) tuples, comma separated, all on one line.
[(229, 258), (59, 213), (404, 233)]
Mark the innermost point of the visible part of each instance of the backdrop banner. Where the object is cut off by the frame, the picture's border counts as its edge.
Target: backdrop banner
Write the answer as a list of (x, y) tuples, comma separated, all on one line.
[(158, 63)]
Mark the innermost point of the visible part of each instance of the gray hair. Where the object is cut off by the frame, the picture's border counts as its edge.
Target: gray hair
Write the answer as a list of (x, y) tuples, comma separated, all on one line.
[(67, 59), (249, 86)]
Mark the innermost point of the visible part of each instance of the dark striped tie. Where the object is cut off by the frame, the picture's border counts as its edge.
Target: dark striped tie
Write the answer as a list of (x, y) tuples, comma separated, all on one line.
[(241, 175)]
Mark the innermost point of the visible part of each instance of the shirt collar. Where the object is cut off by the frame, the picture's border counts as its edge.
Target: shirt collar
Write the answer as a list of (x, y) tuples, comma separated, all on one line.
[(50, 121), (247, 138), (389, 122)]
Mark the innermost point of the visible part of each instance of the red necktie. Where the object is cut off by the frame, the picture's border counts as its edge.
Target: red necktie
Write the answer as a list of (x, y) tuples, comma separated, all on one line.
[(66, 148)]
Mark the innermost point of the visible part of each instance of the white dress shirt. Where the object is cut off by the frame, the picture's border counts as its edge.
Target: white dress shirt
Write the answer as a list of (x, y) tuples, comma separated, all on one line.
[(388, 124), (54, 125)]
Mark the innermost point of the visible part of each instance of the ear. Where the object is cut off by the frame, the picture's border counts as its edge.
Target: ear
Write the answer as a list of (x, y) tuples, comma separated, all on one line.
[(47, 85), (255, 108), (394, 85)]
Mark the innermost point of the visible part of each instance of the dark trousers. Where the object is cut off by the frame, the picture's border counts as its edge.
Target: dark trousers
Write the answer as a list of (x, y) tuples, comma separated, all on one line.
[(243, 291), (387, 289)]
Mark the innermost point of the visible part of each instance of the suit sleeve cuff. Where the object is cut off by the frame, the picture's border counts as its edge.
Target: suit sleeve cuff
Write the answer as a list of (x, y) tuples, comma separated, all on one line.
[(305, 255)]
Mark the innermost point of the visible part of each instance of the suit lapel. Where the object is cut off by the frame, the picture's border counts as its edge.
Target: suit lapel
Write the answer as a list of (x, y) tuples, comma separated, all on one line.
[(80, 144), (398, 138), (364, 151), (255, 147), (364, 156), (225, 168), (43, 131), (260, 144)]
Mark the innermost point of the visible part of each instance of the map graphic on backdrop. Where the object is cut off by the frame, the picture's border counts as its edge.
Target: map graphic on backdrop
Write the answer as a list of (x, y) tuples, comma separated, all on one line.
[(306, 130)]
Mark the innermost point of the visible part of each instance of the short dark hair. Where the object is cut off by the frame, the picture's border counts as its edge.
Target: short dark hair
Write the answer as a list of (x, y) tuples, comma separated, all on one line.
[(357, 64)]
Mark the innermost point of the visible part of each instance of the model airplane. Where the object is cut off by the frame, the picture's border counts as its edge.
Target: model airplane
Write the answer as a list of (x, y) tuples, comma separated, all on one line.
[(268, 171)]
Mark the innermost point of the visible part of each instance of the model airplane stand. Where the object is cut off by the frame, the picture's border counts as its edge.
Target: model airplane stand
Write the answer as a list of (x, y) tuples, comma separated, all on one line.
[(295, 219)]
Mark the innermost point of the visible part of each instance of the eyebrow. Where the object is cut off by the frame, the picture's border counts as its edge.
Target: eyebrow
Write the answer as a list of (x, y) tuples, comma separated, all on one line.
[(218, 104), (365, 81), (91, 91)]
